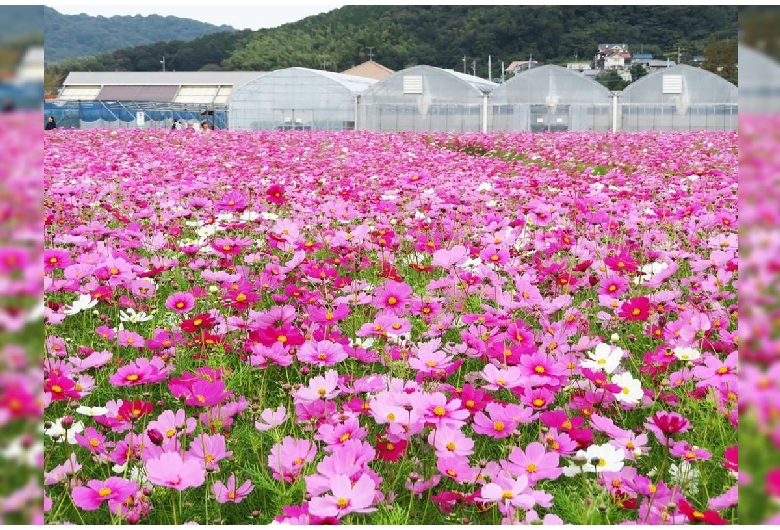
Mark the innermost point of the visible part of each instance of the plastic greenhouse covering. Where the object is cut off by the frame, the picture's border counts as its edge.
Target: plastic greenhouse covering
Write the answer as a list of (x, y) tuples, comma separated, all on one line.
[(425, 98), (759, 82), (297, 99), (680, 98), (115, 114), (551, 98)]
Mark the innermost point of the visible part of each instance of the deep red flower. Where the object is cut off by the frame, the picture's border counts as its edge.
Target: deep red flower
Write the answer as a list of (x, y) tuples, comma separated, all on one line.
[(732, 458), (197, 323), (635, 309), (390, 451), (695, 516), (61, 388), (133, 410), (670, 422), (275, 194)]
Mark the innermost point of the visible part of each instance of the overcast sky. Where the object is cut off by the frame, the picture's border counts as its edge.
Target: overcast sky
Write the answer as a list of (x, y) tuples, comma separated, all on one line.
[(240, 17)]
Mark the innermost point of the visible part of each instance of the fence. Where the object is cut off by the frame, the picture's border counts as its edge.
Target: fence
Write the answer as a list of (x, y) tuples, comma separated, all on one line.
[(91, 115), (631, 117)]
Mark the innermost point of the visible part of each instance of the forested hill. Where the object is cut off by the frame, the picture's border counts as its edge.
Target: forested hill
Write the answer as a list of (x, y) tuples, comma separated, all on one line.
[(70, 36), (401, 36)]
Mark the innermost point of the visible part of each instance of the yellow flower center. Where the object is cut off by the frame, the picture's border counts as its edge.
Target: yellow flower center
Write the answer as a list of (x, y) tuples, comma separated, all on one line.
[(539, 370), (450, 446), (281, 338), (626, 390), (531, 468), (392, 300), (538, 402), (499, 426), (344, 437), (507, 495), (104, 492), (56, 388), (241, 297), (94, 443), (723, 370)]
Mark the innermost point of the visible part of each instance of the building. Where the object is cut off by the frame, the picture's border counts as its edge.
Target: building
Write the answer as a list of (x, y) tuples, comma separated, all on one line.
[(653, 65), (30, 69), (115, 99), (579, 66), (515, 67), (369, 69), (614, 62), (612, 57)]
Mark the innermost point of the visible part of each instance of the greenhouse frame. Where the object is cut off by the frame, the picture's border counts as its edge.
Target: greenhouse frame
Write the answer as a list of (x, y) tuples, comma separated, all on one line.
[(426, 98), (759, 82), (551, 98), (679, 98), (297, 99)]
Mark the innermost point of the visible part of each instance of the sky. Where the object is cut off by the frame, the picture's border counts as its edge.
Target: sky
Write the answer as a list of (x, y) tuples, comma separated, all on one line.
[(240, 17)]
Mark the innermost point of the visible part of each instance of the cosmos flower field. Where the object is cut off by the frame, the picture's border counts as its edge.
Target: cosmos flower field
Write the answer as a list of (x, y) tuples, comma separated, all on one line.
[(360, 328)]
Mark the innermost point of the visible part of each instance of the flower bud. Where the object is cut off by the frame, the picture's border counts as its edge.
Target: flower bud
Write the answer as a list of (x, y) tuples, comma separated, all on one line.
[(67, 422), (155, 436)]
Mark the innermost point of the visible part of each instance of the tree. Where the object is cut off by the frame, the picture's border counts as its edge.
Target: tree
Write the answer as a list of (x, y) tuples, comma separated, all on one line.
[(612, 80), (720, 57), (638, 71)]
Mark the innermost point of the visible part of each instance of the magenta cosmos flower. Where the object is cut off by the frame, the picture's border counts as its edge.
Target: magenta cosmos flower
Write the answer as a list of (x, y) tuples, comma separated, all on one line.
[(180, 302), (392, 297), (91, 496), (171, 471), (346, 498)]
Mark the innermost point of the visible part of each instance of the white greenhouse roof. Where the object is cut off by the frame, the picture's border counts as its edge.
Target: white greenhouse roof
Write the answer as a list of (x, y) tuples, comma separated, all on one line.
[(195, 88), (355, 84), (483, 85)]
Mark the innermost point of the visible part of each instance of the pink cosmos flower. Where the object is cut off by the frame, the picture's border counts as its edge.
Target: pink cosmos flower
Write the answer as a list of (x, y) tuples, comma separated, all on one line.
[(181, 302), (272, 418), (320, 387), (457, 468), (340, 433), (392, 297), (509, 494), (534, 463), (209, 450), (130, 339), (287, 459), (715, 372), (346, 498), (92, 440), (229, 492), (501, 377), (322, 353), (91, 496), (171, 471), (449, 442), (436, 411), (497, 423), (541, 369)]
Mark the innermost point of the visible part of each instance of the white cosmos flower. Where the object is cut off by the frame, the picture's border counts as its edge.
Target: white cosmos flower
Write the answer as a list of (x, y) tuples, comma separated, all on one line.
[(650, 270), (686, 354), (268, 216), (83, 302), (130, 315), (206, 231), (630, 389), (485, 186), (604, 358), (600, 458), (57, 431), (249, 216), (225, 217), (92, 411), (685, 476)]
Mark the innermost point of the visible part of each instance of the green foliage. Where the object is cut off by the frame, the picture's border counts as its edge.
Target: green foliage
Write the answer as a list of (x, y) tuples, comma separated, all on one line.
[(612, 80), (402, 36), (721, 59), (71, 36), (638, 71)]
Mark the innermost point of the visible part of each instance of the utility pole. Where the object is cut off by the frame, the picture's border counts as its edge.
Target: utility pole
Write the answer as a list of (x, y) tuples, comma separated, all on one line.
[(490, 68), (474, 67), (503, 71), (370, 52), (464, 64), (324, 63), (679, 55), (530, 60), (163, 62)]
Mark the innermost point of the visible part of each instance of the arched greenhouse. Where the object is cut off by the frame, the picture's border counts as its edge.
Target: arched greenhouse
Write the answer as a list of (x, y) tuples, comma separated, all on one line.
[(759, 82), (299, 99), (680, 98), (551, 98), (426, 98)]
